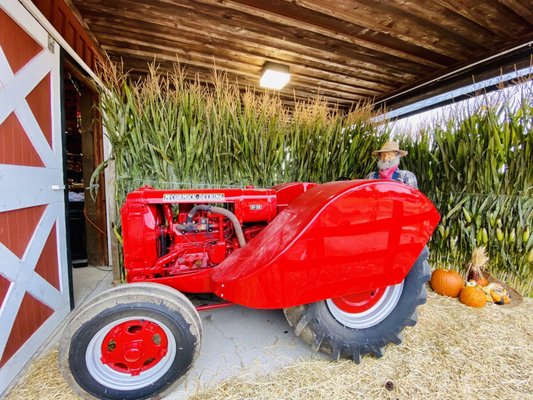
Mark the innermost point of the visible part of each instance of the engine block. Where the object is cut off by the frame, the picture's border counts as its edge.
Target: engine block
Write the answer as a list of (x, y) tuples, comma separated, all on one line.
[(165, 233)]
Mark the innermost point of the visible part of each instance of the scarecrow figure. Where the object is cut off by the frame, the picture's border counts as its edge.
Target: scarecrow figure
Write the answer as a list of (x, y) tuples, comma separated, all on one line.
[(388, 160)]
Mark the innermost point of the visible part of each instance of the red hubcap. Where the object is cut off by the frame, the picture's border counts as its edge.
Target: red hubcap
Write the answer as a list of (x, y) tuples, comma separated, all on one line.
[(134, 346), (359, 302)]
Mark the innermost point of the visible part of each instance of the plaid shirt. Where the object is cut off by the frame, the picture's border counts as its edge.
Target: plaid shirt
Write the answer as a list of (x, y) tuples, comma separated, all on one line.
[(400, 175)]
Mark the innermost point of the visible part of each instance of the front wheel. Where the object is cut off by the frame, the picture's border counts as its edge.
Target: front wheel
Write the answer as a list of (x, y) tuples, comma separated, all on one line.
[(363, 323), (132, 342)]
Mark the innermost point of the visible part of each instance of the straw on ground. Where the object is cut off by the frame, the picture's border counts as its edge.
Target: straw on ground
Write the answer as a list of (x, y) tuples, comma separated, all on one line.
[(453, 352)]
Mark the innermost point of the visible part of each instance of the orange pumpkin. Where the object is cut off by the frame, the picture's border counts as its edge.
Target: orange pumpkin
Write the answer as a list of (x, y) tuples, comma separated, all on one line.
[(473, 296), (446, 282), (482, 281)]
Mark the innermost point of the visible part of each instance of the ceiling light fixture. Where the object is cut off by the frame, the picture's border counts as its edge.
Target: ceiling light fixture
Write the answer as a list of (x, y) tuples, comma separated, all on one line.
[(274, 76)]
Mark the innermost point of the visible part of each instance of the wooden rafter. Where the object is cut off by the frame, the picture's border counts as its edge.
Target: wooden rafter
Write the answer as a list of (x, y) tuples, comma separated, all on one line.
[(346, 50)]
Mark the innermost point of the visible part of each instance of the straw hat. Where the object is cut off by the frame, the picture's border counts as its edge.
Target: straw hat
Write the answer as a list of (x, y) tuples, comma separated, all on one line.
[(390, 146)]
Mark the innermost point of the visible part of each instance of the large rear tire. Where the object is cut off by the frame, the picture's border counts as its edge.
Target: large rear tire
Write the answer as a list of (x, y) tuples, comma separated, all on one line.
[(131, 342), (348, 327)]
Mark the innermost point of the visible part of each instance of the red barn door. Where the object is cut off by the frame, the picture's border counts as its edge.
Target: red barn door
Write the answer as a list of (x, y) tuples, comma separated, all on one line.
[(34, 292)]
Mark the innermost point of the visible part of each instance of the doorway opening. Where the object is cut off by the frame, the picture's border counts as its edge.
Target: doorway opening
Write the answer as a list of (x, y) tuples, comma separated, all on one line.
[(86, 214)]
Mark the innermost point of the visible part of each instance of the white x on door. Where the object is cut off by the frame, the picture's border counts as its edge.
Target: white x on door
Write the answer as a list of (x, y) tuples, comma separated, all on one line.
[(34, 293)]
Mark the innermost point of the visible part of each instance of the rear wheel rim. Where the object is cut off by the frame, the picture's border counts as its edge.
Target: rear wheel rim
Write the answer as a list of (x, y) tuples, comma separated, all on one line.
[(107, 370), (359, 302), (359, 313)]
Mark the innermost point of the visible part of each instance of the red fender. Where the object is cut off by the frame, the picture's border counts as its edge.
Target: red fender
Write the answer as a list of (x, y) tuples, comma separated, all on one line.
[(335, 239)]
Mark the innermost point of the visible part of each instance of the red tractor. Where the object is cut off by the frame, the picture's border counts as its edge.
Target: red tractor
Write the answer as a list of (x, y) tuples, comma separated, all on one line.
[(346, 261)]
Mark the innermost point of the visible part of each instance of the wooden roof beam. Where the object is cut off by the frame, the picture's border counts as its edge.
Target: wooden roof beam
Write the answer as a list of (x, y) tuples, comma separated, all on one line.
[(135, 49), (297, 69), (272, 33), (352, 33), (205, 76), (282, 12)]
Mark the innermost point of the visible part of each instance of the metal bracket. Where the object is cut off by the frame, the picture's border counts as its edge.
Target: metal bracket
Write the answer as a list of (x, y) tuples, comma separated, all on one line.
[(51, 44), (57, 187)]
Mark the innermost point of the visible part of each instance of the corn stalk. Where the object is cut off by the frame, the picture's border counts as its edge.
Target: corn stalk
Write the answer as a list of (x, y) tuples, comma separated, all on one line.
[(169, 132), (477, 170)]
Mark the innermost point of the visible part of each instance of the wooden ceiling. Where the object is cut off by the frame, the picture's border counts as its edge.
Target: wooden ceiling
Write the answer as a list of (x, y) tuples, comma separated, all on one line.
[(345, 50)]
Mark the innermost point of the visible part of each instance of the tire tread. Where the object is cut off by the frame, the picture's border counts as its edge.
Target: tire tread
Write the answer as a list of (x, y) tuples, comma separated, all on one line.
[(138, 293), (311, 328)]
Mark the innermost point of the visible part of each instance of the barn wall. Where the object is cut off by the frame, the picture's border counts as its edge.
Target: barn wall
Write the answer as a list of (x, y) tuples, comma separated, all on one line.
[(67, 24)]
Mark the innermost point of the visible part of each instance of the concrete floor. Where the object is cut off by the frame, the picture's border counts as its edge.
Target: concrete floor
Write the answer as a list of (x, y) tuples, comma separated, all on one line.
[(236, 341), (240, 341), (89, 281)]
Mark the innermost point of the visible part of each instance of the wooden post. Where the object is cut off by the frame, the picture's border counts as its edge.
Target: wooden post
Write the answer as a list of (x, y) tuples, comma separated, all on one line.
[(112, 214)]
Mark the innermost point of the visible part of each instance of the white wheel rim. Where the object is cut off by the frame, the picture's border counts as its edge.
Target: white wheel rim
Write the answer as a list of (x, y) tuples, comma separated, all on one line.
[(113, 379), (372, 316)]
